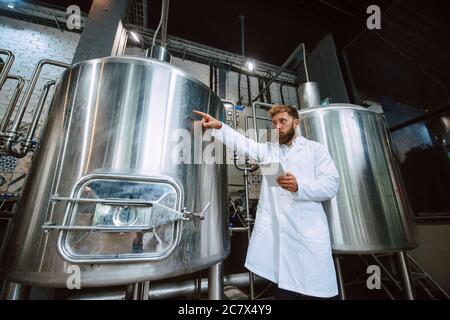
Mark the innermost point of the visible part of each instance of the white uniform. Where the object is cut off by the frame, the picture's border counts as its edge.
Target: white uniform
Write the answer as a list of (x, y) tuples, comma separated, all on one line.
[(290, 244)]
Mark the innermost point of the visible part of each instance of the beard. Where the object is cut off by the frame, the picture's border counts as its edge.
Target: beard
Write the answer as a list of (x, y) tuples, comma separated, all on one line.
[(287, 137)]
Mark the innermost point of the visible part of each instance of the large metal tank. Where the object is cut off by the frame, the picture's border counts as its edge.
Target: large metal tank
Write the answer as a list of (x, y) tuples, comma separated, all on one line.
[(370, 213), (104, 193)]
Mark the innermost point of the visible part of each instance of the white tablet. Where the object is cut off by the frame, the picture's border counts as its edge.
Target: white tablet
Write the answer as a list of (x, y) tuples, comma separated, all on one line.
[(272, 171)]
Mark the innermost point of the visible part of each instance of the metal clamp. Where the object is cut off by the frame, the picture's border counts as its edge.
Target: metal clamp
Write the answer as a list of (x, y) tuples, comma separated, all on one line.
[(201, 215)]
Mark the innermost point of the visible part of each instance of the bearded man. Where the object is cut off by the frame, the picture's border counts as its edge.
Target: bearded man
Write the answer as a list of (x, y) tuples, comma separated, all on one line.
[(290, 244)]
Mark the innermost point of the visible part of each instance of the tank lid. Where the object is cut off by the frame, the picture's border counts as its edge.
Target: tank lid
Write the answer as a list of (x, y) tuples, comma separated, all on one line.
[(336, 106)]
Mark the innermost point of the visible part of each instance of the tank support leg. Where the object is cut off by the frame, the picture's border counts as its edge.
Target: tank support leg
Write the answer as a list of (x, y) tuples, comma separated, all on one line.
[(215, 282), (408, 284), (340, 278), (13, 291)]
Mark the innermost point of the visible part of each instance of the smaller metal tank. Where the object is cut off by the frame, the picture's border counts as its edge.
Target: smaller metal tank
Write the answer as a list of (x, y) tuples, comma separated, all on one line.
[(370, 213)]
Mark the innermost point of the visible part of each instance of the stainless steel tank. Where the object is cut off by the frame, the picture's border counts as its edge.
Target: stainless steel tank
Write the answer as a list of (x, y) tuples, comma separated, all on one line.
[(370, 213), (103, 193)]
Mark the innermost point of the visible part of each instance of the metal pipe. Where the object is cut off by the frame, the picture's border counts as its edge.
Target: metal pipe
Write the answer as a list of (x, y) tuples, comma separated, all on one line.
[(141, 290), (280, 70), (249, 89), (248, 220), (261, 104), (198, 286), (13, 291), (165, 20), (281, 94), (6, 67), (159, 24), (268, 94), (309, 95), (304, 62), (242, 19), (298, 98), (12, 103), (406, 275), (215, 282), (240, 98), (28, 143), (337, 262), (429, 277), (12, 138), (170, 290), (239, 229), (145, 290)]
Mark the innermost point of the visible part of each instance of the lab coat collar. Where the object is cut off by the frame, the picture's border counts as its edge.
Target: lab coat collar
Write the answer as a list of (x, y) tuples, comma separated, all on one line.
[(298, 140), (296, 145)]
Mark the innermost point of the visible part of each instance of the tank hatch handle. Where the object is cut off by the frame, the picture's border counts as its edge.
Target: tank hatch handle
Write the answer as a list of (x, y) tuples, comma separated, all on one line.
[(200, 215), (158, 216)]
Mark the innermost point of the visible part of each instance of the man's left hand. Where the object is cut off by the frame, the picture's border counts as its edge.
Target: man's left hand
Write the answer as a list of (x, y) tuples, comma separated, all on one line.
[(288, 182)]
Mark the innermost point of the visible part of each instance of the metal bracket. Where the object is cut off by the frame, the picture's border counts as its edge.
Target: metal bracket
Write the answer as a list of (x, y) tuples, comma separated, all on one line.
[(200, 215)]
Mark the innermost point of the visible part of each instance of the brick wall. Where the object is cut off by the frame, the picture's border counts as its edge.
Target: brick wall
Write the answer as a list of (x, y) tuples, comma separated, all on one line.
[(30, 43)]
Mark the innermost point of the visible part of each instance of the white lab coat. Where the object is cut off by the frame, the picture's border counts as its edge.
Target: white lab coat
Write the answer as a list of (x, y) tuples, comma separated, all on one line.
[(290, 243)]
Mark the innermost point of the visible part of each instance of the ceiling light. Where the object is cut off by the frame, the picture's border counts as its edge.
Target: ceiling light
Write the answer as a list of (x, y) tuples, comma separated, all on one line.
[(250, 66), (135, 36)]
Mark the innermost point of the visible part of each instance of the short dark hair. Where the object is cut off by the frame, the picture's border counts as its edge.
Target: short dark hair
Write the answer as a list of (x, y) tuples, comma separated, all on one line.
[(278, 108)]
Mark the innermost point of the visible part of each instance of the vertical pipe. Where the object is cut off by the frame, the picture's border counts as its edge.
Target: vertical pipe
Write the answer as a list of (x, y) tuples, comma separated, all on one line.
[(165, 19), (27, 144), (240, 98), (406, 275), (211, 77), (281, 94), (260, 86), (309, 95), (129, 292), (337, 262), (298, 98), (255, 126), (6, 67), (141, 290), (145, 290), (215, 282), (12, 103), (215, 80), (304, 63), (242, 18), (249, 90), (13, 291), (249, 230), (268, 94), (198, 286)]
